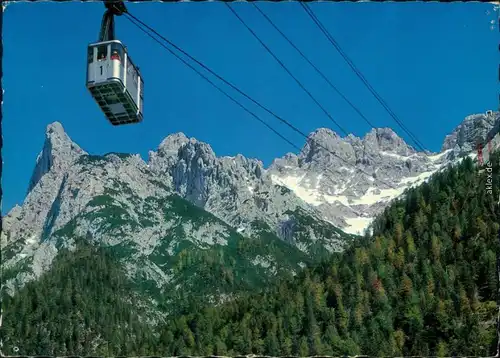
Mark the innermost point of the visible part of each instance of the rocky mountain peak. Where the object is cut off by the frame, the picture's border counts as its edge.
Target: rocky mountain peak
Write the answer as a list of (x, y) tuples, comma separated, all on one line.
[(321, 137), (177, 147), (474, 129), (171, 144), (58, 152), (60, 143), (385, 139), (323, 134), (321, 143), (197, 151), (351, 149)]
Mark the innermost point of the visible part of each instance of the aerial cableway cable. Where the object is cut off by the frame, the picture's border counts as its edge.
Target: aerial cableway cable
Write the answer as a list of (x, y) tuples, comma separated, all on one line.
[(289, 72), (138, 23), (384, 104), (286, 69), (214, 85), (217, 75), (353, 106), (130, 17)]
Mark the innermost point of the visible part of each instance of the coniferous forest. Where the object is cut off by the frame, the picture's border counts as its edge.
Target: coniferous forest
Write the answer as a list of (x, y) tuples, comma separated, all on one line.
[(424, 283)]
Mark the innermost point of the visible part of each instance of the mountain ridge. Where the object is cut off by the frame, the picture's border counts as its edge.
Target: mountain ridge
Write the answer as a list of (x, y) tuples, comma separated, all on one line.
[(308, 200), (185, 164)]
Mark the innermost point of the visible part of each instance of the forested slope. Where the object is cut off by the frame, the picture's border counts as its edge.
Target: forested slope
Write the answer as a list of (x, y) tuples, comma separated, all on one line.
[(425, 283)]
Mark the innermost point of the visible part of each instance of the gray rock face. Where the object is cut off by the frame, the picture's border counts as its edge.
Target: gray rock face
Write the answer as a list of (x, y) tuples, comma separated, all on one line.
[(37, 213), (349, 189), (119, 199), (235, 189), (58, 152), (346, 190), (475, 129)]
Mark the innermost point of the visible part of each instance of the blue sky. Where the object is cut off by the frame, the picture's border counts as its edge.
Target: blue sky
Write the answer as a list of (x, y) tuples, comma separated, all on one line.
[(434, 63)]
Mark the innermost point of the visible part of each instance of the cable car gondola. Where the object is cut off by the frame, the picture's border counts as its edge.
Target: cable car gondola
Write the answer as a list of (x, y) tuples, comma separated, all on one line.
[(112, 78)]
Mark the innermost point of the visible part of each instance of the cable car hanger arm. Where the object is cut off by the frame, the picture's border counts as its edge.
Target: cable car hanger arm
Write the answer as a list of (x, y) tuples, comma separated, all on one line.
[(117, 7), (113, 7)]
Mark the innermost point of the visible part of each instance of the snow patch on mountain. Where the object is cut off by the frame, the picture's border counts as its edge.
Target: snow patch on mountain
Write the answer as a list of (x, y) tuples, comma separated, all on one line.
[(351, 187), (119, 199)]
